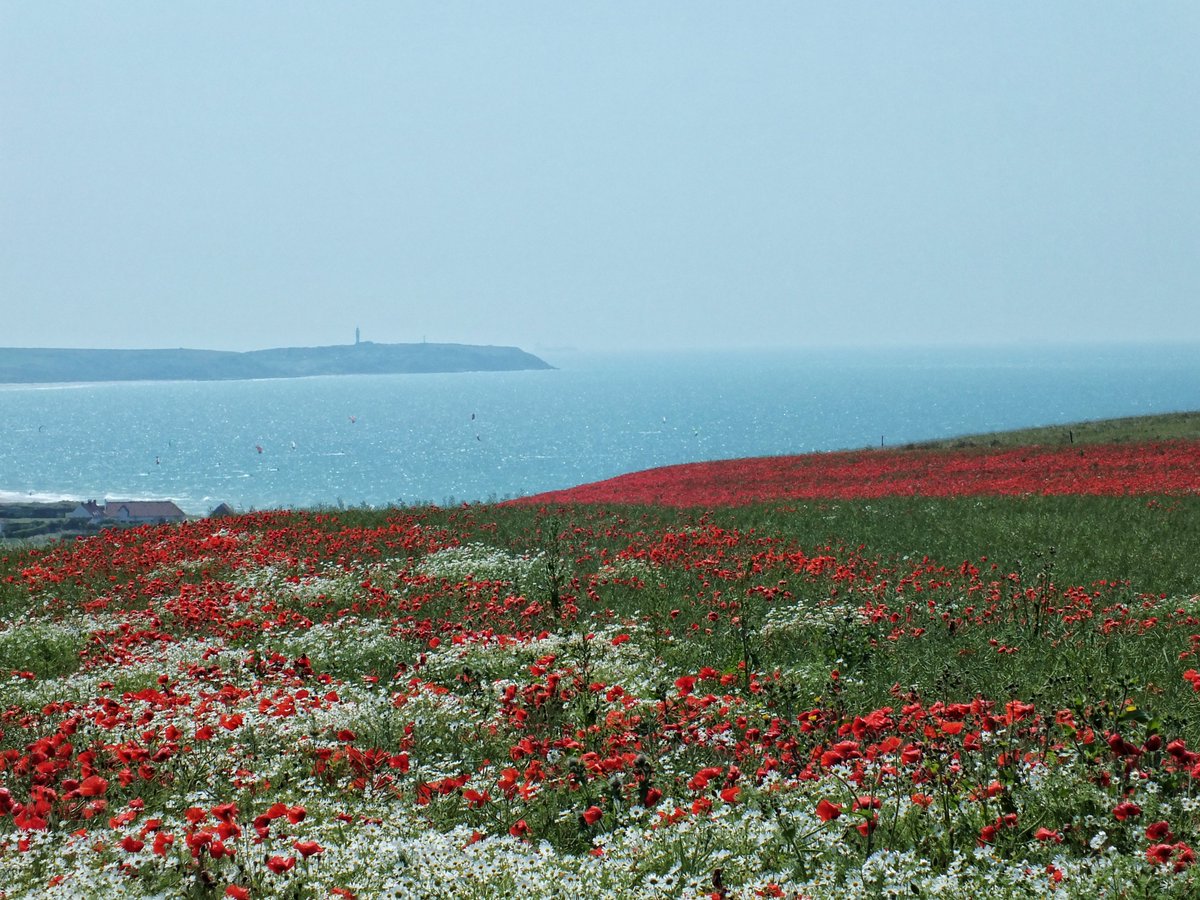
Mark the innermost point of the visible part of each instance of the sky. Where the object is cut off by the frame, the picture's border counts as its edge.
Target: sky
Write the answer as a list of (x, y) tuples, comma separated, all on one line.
[(615, 175)]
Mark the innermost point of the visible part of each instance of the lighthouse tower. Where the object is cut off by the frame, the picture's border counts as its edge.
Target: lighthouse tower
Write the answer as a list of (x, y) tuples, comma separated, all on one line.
[(356, 336)]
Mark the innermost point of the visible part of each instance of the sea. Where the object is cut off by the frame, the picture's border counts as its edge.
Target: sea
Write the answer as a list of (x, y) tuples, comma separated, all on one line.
[(382, 440)]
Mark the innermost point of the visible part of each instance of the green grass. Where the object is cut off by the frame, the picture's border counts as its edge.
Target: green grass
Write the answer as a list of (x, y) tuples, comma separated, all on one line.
[(1164, 427), (1148, 542)]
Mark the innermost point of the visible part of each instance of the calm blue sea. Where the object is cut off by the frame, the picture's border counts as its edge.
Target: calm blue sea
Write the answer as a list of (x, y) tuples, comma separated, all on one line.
[(380, 440)]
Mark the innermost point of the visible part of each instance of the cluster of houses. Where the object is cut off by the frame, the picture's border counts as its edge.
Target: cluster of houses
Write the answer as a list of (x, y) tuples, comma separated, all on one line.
[(133, 512)]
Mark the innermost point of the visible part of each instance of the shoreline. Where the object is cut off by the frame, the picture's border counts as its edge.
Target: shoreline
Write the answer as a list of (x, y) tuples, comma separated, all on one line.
[(1159, 427)]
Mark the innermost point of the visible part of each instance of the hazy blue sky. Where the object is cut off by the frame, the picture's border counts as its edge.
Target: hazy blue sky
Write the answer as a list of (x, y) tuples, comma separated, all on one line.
[(243, 174)]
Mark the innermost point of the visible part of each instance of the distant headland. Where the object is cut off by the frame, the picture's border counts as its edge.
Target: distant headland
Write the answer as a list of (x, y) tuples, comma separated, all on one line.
[(40, 366)]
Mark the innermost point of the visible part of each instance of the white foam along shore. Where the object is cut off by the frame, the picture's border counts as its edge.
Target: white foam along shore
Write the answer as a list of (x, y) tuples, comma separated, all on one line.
[(36, 497)]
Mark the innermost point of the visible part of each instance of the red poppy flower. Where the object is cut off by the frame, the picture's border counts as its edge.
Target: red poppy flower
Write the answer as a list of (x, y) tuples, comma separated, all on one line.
[(475, 799), (1184, 856), (1158, 831), (93, 786), (1126, 810), (1159, 854), (225, 812), (195, 815), (827, 811), (308, 848), (281, 864), (700, 780)]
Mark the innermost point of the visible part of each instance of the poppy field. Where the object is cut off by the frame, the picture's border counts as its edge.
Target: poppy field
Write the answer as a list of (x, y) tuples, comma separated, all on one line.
[(1104, 469), (936, 694)]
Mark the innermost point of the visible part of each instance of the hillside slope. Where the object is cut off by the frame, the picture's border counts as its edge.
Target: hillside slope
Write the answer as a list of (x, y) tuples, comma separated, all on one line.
[(1113, 457)]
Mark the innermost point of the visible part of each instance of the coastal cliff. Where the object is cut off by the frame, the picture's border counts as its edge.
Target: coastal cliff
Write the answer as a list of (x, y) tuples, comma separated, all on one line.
[(38, 365)]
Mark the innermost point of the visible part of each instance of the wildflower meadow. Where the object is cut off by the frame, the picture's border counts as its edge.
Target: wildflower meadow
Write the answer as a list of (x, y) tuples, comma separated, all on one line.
[(932, 674)]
